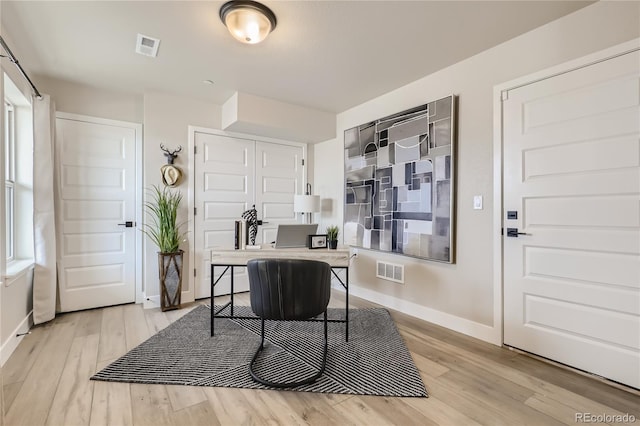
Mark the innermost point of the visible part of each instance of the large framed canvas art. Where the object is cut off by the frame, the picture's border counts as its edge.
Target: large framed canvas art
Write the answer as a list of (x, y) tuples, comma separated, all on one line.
[(399, 182)]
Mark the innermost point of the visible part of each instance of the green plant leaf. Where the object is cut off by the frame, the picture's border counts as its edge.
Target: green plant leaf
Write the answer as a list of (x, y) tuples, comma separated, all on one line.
[(162, 228), (332, 232)]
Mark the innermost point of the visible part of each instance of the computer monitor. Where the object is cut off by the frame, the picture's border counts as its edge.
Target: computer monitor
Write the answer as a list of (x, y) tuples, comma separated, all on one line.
[(295, 235)]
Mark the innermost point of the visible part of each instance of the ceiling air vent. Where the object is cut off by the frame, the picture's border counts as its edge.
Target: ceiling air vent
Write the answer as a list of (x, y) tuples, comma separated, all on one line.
[(147, 46)]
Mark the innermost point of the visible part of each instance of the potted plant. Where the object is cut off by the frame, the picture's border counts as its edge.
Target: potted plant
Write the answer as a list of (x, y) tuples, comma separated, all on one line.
[(332, 236), (166, 233)]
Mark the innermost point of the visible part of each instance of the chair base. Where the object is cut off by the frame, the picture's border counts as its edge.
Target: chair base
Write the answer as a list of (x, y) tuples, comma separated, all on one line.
[(281, 385)]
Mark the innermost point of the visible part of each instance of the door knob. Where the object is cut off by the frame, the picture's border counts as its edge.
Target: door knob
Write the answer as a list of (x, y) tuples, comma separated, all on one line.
[(513, 232), (126, 224)]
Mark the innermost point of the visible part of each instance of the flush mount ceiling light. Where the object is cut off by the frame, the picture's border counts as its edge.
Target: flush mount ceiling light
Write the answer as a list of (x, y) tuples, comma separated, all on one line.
[(248, 21)]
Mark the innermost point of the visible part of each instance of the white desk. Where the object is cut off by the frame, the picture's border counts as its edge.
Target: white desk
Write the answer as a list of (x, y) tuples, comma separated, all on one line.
[(228, 259)]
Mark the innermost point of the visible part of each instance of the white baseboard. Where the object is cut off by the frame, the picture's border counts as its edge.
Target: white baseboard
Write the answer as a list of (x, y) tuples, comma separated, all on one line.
[(12, 342), (452, 322), (151, 302)]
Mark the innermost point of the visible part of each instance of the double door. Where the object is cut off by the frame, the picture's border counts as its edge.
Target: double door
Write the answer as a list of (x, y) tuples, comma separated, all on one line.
[(231, 175)]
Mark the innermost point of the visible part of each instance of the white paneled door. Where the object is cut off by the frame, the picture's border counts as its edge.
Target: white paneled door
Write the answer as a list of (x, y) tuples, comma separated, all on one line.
[(572, 218), (224, 189), (231, 174), (279, 175), (96, 175)]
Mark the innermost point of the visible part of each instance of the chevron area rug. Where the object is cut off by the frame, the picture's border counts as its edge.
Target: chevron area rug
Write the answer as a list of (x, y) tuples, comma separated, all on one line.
[(375, 361)]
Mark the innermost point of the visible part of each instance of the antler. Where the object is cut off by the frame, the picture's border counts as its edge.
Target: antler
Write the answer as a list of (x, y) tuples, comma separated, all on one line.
[(170, 155)]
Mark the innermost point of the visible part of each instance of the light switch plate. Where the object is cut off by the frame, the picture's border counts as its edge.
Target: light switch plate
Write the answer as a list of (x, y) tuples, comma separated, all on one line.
[(477, 202)]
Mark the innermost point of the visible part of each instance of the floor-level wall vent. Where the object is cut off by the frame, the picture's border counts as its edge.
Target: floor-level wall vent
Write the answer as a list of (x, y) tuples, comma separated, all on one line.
[(390, 271)]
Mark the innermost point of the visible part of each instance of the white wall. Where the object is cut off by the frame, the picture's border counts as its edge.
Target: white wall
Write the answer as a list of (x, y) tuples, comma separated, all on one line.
[(86, 100), (166, 121), (256, 115), (461, 296), (17, 304)]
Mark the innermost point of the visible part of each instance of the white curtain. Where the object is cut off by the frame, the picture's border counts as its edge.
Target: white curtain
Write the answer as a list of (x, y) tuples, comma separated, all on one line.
[(44, 276)]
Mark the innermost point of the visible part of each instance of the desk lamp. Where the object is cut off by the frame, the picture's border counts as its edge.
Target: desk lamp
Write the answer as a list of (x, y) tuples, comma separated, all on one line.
[(307, 203)]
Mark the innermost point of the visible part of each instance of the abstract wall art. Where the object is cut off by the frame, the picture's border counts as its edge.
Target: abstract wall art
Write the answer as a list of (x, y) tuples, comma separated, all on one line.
[(399, 182)]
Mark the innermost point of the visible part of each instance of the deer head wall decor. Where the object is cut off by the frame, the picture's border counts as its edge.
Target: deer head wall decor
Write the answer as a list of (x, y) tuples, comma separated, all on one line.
[(171, 155), (171, 175)]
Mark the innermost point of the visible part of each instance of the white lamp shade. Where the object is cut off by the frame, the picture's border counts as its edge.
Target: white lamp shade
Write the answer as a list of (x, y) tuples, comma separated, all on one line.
[(306, 203)]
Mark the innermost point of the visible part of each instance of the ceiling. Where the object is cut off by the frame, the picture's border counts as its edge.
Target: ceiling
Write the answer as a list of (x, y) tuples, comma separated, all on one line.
[(327, 55)]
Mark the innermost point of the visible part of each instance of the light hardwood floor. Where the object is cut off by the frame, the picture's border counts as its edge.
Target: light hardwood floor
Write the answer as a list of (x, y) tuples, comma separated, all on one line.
[(46, 382)]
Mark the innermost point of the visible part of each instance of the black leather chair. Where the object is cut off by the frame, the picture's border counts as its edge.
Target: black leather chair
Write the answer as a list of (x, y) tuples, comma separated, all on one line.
[(289, 289)]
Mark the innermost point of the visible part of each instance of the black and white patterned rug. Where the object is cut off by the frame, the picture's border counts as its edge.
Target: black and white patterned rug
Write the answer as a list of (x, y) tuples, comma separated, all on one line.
[(375, 361)]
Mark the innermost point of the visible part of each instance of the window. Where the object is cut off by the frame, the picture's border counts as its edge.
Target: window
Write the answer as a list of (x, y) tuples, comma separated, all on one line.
[(10, 177), (18, 177)]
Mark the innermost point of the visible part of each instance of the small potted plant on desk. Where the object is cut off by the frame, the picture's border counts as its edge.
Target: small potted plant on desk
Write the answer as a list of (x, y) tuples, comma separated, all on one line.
[(165, 232), (332, 236)]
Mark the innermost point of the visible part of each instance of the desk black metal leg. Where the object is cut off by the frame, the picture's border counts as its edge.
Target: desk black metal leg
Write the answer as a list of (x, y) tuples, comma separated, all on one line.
[(346, 324), (232, 274), (213, 307)]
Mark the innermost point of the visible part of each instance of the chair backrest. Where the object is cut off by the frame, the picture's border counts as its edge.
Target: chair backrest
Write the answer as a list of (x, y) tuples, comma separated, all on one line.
[(289, 289)]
